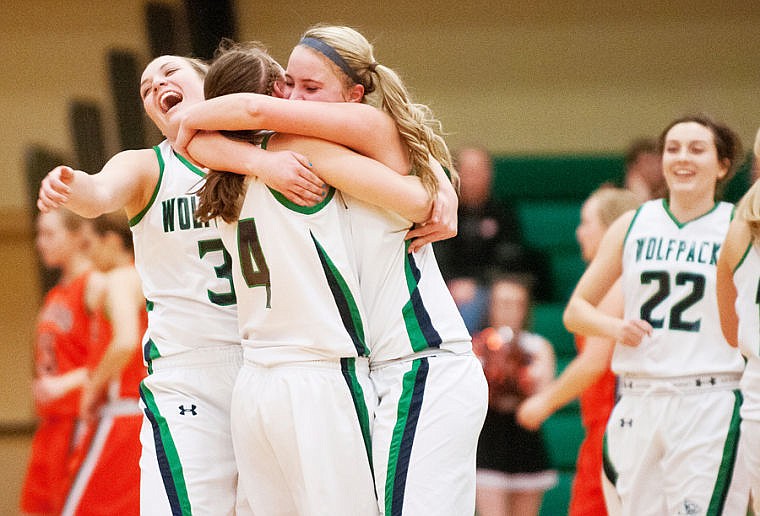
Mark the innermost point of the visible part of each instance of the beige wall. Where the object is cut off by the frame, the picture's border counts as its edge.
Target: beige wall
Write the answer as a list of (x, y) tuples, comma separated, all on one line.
[(532, 77), (551, 77)]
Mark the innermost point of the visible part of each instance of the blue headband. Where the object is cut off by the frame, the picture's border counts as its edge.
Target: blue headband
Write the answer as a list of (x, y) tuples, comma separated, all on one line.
[(330, 53)]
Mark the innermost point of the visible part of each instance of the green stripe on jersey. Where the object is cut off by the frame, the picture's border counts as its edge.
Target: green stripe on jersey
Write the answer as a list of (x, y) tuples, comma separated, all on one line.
[(356, 319), (413, 330)]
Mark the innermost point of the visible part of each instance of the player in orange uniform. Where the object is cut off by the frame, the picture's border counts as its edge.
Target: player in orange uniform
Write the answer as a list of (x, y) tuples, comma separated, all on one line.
[(63, 335), (107, 473), (588, 375)]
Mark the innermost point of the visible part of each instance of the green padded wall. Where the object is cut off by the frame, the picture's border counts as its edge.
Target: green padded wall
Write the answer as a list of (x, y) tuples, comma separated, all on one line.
[(571, 177)]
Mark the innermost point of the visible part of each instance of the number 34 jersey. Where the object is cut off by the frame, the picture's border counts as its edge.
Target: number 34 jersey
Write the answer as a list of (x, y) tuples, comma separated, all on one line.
[(669, 281), (184, 268)]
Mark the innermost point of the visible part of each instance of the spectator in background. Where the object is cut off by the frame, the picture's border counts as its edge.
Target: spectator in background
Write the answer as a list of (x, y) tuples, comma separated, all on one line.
[(643, 170), (588, 376), (513, 465), (488, 238)]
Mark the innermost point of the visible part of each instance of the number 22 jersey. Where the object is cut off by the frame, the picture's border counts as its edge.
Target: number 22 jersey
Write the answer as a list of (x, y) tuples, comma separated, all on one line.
[(669, 281)]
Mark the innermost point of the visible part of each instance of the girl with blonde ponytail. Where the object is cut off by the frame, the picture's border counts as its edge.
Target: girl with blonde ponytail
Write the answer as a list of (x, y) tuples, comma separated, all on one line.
[(423, 453), (738, 278)]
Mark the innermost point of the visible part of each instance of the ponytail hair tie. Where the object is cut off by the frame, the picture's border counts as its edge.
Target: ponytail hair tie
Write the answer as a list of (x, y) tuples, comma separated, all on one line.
[(372, 66)]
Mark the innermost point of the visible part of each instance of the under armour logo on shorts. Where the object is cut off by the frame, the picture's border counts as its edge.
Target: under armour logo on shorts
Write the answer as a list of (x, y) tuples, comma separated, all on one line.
[(191, 410), (626, 422)]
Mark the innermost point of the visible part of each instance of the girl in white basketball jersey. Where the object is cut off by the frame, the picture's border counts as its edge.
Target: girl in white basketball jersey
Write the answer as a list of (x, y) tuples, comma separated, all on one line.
[(192, 345), (431, 387), (303, 402), (672, 437), (738, 299)]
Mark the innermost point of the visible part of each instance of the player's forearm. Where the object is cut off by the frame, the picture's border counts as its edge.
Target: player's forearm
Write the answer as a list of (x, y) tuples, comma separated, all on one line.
[(583, 318)]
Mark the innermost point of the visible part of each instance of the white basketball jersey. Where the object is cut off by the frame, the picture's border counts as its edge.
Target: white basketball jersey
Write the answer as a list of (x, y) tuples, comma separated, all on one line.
[(295, 279), (410, 309), (747, 282), (184, 268), (669, 281)]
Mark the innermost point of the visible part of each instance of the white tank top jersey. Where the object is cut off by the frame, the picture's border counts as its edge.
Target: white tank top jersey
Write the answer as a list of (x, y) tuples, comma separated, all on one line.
[(747, 282), (185, 270), (669, 281), (295, 279), (409, 306)]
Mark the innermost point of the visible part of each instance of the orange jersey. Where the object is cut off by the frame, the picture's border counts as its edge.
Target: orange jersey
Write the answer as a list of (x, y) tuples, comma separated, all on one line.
[(104, 472), (63, 336), (587, 498), (598, 400)]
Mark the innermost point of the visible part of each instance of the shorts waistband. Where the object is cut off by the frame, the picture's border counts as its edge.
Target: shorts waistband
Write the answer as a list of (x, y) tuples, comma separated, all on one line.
[(361, 364), (432, 352), (679, 384), (200, 357)]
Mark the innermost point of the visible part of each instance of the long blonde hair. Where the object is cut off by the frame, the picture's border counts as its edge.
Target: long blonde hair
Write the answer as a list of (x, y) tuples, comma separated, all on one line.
[(748, 208), (383, 88)]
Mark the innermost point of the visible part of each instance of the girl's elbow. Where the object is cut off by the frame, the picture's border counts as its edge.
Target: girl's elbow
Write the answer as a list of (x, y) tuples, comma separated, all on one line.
[(568, 317)]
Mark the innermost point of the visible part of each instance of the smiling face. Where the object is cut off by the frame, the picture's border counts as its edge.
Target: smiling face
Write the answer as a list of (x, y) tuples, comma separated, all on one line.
[(690, 160), (312, 76), (167, 84)]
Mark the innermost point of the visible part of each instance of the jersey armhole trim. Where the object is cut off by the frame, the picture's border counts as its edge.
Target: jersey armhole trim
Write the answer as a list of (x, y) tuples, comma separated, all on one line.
[(630, 226), (744, 256), (137, 218)]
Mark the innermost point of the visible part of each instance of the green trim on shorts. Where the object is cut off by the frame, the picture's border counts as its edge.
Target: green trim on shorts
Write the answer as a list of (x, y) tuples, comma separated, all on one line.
[(167, 456), (348, 367), (726, 470), (402, 415), (607, 468)]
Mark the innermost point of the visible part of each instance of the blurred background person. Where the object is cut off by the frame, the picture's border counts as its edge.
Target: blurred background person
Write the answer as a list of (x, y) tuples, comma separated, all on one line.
[(643, 170), (63, 337), (488, 238), (513, 469), (588, 376), (105, 472)]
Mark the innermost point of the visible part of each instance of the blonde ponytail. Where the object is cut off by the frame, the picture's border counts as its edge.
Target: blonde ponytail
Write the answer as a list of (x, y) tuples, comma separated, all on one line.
[(383, 89)]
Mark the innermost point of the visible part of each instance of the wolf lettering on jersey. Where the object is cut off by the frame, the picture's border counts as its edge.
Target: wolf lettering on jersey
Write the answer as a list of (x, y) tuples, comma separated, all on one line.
[(179, 214), (669, 281), (658, 249), (185, 269)]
